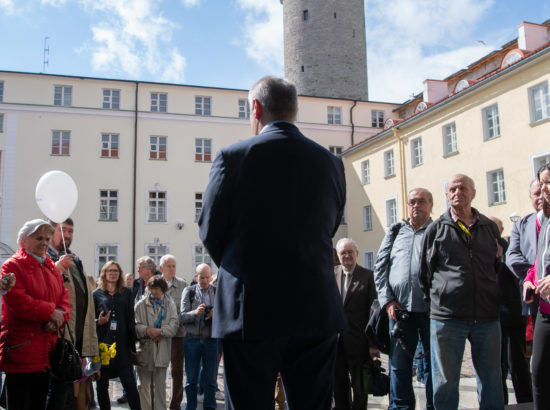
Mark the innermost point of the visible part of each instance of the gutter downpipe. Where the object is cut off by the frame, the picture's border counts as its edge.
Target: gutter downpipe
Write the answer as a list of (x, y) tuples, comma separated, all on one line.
[(134, 182), (402, 170), (351, 120)]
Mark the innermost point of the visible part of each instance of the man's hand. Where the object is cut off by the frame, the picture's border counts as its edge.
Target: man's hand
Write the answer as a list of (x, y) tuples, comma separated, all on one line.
[(103, 317), (153, 333), (7, 281), (199, 310), (65, 262), (528, 285), (374, 352), (543, 290), (58, 317), (391, 308)]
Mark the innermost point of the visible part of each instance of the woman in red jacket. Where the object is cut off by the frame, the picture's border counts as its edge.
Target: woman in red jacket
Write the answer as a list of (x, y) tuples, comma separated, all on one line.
[(32, 312)]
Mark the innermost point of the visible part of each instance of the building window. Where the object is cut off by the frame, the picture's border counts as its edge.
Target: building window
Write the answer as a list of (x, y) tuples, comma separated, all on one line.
[(200, 255), (1, 122), (306, 15), (491, 123), (244, 109), (63, 95), (159, 102), (111, 99), (539, 102), (156, 251), (202, 105), (389, 169), (335, 150), (368, 259), (105, 253), (109, 145), (198, 205), (1, 91), (334, 115), (538, 161), (365, 172), (391, 211), (203, 149), (377, 119), (157, 147), (449, 139), (367, 218), (61, 142), (108, 205), (157, 206), (416, 152), (495, 187)]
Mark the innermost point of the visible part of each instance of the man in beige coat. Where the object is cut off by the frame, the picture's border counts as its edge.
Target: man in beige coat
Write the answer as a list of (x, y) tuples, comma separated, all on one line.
[(156, 323)]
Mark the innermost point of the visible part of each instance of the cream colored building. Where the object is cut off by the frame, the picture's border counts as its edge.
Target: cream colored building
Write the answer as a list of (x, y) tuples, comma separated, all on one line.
[(140, 154), (490, 121)]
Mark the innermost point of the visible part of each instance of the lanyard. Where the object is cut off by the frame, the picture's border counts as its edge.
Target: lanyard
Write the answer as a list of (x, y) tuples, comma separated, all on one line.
[(464, 228)]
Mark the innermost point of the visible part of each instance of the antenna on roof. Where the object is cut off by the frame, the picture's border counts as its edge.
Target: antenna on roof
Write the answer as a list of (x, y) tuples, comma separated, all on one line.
[(46, 54)]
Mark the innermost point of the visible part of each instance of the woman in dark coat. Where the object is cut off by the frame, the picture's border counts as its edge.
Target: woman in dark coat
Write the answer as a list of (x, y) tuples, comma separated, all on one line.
[(114, 308)]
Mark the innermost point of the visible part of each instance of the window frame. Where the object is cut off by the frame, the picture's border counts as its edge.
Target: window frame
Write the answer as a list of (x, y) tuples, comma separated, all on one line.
[(417, 155), (1, 91), (244, 109), (65, 95), (365, 172), (201, 105), (198, 204), (453, 139), (112, 148), (376, 120), (367, 218), (203, 156), (106, 202), (389, 163), (334, 115), (157, 208), (2, 116), (109, 101), (61, 143), (336, 150), (544, 107), (97, 263), (365, 262), (156, 150), (387, 201), (536, 157), (157, 103), (489, 122), (204, 256), (496, 196), (158, 247)]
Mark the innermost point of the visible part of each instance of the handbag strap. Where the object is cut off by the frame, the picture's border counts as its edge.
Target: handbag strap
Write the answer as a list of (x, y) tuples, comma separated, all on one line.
[(62, 332)]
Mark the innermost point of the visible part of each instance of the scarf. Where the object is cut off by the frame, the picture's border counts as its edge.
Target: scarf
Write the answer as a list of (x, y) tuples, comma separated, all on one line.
[(160, 309)]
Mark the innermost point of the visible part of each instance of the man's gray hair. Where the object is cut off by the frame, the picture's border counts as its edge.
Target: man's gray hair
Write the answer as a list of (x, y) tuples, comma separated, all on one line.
[(166, 258), (462, 176), (343, 241), (277, 97), (430, 196), (149, 263)]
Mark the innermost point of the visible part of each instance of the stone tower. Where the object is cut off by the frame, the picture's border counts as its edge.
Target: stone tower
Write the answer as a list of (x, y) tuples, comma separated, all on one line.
[(325, 47)]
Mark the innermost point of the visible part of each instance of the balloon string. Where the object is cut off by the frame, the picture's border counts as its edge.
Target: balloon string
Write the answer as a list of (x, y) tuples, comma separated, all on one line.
[(63, 238)]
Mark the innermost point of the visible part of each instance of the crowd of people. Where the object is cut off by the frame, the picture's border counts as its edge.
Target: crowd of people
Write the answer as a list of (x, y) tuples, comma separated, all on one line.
[(289, 321)]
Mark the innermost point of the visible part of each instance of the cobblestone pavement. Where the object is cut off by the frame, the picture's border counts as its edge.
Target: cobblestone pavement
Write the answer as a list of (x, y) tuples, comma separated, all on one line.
[(468, 389)]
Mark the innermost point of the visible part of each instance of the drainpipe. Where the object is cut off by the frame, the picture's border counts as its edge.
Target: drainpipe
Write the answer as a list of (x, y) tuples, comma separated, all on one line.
[(134, 182), (402, 171), (351, 120)]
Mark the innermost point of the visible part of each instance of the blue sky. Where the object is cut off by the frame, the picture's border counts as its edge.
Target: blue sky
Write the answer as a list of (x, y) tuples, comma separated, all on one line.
[(231, 43)]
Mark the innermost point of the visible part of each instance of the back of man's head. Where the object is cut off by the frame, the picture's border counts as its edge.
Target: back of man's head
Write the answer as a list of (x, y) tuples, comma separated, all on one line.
[(277, 97)]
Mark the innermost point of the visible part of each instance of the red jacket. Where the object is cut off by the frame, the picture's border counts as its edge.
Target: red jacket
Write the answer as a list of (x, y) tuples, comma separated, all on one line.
[(24, 345)]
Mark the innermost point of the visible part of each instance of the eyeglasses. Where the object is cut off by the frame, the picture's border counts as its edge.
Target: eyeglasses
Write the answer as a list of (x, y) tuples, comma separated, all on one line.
[(113, 271)]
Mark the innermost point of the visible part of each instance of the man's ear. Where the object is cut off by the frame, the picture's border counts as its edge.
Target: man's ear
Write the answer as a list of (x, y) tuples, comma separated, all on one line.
[(256, 109)]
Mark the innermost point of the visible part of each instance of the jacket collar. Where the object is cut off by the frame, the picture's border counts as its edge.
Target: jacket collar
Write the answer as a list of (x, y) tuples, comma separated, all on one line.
[(31, 262)]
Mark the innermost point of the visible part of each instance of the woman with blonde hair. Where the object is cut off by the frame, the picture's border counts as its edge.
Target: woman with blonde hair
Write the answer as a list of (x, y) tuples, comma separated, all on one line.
[(114, 308), (156, 323)]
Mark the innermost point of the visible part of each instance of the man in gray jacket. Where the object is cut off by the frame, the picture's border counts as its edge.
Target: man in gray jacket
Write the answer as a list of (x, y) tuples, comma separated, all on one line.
[(396, 277)]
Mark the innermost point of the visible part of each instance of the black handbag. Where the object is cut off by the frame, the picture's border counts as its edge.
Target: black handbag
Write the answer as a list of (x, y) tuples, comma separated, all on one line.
[(65, 365), (376, 382)]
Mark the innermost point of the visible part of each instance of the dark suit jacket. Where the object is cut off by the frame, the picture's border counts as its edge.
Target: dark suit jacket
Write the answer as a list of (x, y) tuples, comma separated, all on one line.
[(273, 203), (359, 297)]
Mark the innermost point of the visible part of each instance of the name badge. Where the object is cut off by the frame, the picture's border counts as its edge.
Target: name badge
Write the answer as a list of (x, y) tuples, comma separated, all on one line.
[(113, 325)]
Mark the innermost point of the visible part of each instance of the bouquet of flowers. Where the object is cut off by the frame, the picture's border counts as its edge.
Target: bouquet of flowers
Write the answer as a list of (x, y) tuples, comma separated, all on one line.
[(106, 353)]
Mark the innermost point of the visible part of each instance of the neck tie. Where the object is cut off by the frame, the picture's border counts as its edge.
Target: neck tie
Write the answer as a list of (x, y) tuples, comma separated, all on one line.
[(347, 277)]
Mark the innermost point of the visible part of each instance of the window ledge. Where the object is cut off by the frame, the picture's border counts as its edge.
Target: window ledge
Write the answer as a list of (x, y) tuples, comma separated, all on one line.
[(389, 176), (107, 220), (498, 203), (417, 165), (451, 154), (496, 137), (535, 123)]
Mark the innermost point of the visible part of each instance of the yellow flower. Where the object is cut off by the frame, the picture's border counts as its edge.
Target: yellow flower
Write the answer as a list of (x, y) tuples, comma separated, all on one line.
[(102, 347), (96, 359)]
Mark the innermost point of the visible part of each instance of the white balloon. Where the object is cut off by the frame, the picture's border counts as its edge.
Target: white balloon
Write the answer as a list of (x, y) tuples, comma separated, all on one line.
[(56, 195)]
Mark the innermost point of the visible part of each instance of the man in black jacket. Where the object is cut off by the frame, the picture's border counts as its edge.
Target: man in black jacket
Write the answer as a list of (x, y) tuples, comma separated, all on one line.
[(458, 273)]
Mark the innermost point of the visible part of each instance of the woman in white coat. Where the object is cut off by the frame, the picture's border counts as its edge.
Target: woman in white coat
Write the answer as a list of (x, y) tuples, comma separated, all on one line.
[(156, 323)]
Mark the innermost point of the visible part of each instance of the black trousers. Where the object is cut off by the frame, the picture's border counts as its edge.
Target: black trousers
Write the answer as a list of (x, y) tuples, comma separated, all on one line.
[(513, 358), (540, 362), (26, 391), (126, 375), (348, 376), (306, 366)]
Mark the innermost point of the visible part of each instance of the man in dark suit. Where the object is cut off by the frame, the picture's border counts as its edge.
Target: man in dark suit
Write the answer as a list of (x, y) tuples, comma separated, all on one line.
[(356, 285), (275, 198)]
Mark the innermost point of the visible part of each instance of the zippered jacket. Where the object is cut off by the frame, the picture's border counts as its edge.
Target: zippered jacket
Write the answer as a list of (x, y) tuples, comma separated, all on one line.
[(458, 272)]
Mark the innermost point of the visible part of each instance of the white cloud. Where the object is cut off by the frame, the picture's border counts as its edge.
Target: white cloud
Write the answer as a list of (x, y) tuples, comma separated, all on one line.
[(191, 3), (133, 38), (7, 6), (263, 32), (54, 3)]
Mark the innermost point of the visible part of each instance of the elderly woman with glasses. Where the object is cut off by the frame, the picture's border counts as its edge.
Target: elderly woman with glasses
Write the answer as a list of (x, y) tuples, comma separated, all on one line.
[(32, 312), (114, 308), (156, 323)]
